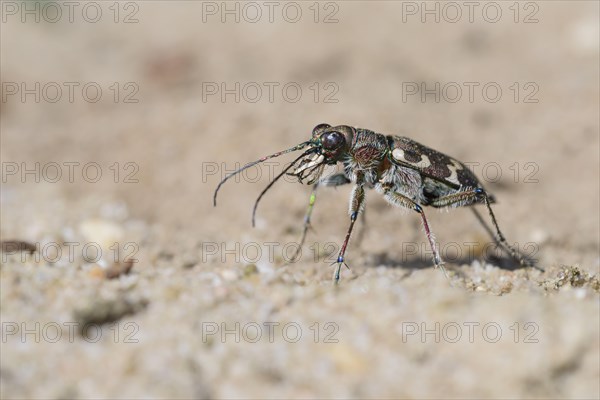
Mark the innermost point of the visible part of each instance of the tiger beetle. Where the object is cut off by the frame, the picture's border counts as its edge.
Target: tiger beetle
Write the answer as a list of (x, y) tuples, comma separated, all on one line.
[(407, 174)]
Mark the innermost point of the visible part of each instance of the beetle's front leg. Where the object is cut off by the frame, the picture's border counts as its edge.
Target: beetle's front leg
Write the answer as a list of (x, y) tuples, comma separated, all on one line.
[(332, 181), (357, 200), (400, 200)]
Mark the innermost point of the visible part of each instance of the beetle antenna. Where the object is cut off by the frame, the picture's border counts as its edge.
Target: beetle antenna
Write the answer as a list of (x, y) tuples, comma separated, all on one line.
[(297, 147), (285, 170)]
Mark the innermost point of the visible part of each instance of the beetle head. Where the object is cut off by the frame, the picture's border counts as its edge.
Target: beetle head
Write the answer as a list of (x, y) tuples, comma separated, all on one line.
[(328, 146), (333, 142)]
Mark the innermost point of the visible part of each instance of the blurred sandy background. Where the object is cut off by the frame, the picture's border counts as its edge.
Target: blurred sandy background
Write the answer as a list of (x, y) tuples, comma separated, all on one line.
[(162, 141)]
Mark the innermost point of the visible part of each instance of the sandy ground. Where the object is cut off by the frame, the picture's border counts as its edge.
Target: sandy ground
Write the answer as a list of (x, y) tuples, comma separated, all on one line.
[(211, 307)]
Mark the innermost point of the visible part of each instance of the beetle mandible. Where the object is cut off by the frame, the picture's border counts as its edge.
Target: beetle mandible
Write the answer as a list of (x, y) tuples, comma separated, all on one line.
[(407, 174)]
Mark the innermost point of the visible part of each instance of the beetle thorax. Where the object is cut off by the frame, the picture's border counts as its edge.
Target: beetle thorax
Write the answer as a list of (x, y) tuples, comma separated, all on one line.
[(365, 156)]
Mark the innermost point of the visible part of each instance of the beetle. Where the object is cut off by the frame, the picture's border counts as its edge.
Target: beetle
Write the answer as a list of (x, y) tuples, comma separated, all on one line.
[(407, 174)]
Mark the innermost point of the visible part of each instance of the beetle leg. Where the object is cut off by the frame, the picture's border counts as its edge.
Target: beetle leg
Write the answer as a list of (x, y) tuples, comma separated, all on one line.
[(335, 180), (362, 228), (472, 196), (357, 200), (399, 200), (459, 199), (307, 226)]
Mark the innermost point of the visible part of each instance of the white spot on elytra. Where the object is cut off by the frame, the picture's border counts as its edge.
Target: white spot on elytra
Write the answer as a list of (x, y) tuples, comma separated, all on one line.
[(398, 154), (424, 163), (453, 172)]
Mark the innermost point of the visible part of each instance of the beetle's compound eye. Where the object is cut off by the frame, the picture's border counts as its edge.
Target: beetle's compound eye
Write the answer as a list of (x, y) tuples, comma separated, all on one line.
[(317, 129), (332, 140)]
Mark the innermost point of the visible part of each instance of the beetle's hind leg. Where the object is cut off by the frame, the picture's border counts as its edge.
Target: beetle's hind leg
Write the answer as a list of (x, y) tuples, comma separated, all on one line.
[(501, 240), (469, 197)]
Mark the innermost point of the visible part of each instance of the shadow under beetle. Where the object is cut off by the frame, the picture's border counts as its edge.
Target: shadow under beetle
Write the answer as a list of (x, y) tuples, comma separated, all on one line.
[(405, 172)]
